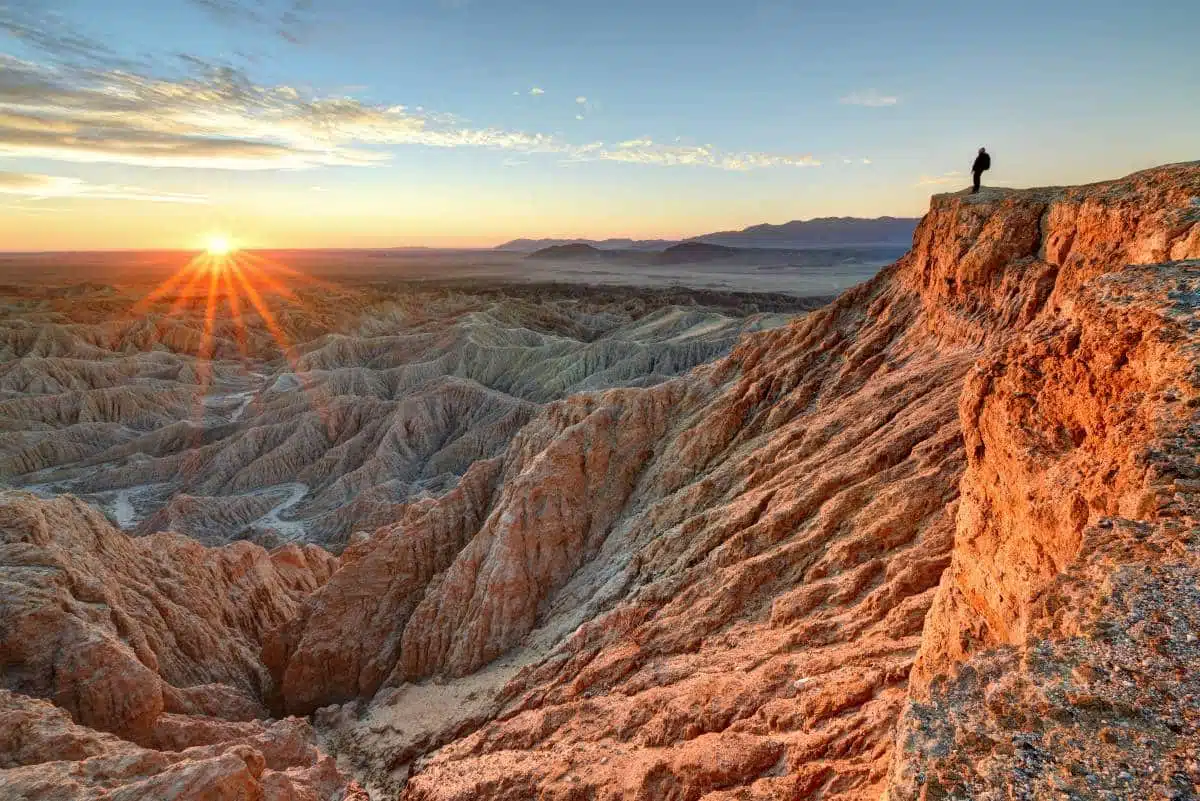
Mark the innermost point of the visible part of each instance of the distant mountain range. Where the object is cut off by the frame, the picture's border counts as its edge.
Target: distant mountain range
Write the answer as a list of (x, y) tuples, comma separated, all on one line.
[(677, 253), (823, 231), (820, 232), (696, 252), (530, 245)]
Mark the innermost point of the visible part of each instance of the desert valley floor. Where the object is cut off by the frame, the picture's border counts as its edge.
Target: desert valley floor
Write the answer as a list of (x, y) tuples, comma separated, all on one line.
[(444, 527)]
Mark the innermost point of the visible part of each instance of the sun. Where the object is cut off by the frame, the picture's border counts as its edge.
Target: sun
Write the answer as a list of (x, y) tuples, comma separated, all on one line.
[(226, 279), (219, 245)]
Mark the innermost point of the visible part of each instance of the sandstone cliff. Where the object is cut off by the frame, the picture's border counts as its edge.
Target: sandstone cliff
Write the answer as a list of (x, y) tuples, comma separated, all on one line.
[(155, 640), (933, 541), (749, 560)]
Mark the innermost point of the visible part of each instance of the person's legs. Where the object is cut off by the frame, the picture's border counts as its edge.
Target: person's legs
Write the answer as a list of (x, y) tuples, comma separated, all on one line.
[(975, 188)]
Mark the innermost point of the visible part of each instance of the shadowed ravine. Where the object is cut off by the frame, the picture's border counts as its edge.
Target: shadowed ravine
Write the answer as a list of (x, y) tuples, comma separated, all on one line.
[(933, 540)]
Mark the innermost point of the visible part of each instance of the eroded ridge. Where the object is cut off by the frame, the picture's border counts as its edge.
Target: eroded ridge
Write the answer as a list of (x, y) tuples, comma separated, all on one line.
[(934, 540), (316, 411), (718, 587)]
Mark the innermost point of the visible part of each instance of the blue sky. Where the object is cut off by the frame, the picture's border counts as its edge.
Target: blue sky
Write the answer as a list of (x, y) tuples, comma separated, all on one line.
[(148, 123)]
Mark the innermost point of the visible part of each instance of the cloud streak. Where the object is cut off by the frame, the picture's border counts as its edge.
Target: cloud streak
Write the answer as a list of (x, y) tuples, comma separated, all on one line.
[(952, 177), (871, 98), (38, 186), (43, 29), (647, 151), (289, 19), (219, 119)]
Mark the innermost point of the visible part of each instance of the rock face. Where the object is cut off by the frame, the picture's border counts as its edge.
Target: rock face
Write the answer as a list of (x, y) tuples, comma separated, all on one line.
[(44, 756), (748, 561), (1076, 547), (118, 630), (148, 650), (936, 540)]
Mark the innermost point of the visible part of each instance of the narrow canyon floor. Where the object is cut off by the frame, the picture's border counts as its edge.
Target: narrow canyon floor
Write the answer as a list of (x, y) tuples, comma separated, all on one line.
[(934, 539)]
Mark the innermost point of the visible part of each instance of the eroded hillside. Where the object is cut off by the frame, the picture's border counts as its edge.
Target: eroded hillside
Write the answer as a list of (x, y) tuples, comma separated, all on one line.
[(323, 410), (932, 541), (741, 562)]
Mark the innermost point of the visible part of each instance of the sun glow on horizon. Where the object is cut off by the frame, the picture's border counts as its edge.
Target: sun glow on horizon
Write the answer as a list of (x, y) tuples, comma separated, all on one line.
[(232, 282), (219, 245), (236, 290)]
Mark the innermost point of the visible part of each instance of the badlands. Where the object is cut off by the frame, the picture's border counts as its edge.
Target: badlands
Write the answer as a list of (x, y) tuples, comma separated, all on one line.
[(318, 420), (935, 539)]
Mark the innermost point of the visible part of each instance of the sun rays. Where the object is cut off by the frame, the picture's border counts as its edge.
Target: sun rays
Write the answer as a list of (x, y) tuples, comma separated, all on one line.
[(230, 277), (239, 294)]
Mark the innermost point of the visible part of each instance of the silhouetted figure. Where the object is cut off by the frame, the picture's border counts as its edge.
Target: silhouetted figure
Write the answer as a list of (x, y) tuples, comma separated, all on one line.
[(982, 162)]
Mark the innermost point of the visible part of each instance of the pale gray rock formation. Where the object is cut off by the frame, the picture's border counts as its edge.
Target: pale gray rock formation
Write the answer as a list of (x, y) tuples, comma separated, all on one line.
[(370, 398)]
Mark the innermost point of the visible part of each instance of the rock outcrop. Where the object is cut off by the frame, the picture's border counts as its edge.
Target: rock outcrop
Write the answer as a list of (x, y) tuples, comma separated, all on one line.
[(45, 756), (117, 631), (1072, 593), (761, 559), (934, 541), (146, 652)]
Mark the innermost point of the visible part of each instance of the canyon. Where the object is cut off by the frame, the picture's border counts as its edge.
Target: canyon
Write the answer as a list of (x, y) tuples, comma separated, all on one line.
[(322, 420), (934, 539)]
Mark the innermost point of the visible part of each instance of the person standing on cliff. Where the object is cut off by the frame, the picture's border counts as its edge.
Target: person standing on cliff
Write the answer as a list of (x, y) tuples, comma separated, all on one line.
[(982, 162)]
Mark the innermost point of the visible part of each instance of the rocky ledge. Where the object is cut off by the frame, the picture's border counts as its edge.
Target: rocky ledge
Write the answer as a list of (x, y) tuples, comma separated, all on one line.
[(936, 540)]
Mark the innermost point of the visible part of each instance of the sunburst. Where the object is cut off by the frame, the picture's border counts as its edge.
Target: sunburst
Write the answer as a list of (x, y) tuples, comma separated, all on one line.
[(219, 245), (237, 281)]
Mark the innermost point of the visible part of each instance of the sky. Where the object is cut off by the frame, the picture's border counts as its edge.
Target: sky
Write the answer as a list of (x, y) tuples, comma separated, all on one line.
[(465, 123)]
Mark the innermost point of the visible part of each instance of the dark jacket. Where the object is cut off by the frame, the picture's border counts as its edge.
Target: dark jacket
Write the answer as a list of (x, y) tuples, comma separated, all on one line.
[(982, 162)]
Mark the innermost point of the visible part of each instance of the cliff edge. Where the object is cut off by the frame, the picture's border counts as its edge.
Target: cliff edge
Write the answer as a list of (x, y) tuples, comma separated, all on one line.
[(767, 558), (932, 541)]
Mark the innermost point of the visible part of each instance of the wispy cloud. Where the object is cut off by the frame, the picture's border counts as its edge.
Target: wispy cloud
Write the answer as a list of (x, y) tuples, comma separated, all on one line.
[(647, 151), (219, 119), (42, 28), (952, 177), (584, 107), (871, 97), (289, 19), (54, 186), (537, 90)]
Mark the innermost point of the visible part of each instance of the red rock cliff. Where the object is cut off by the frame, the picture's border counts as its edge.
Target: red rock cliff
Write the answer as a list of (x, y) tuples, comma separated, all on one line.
[(148, 649), (932, 541), (747, 561)]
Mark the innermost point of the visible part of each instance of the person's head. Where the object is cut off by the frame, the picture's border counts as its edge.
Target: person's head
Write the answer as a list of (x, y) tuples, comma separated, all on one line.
[(983, 150)]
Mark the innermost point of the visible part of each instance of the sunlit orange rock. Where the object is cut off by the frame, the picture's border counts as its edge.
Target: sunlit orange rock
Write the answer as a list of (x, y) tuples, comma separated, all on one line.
[(766, 536), (932, 541)]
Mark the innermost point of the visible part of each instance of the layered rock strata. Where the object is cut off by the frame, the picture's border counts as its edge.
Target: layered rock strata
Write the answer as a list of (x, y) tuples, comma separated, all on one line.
[(933, 541), (146, 653)]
